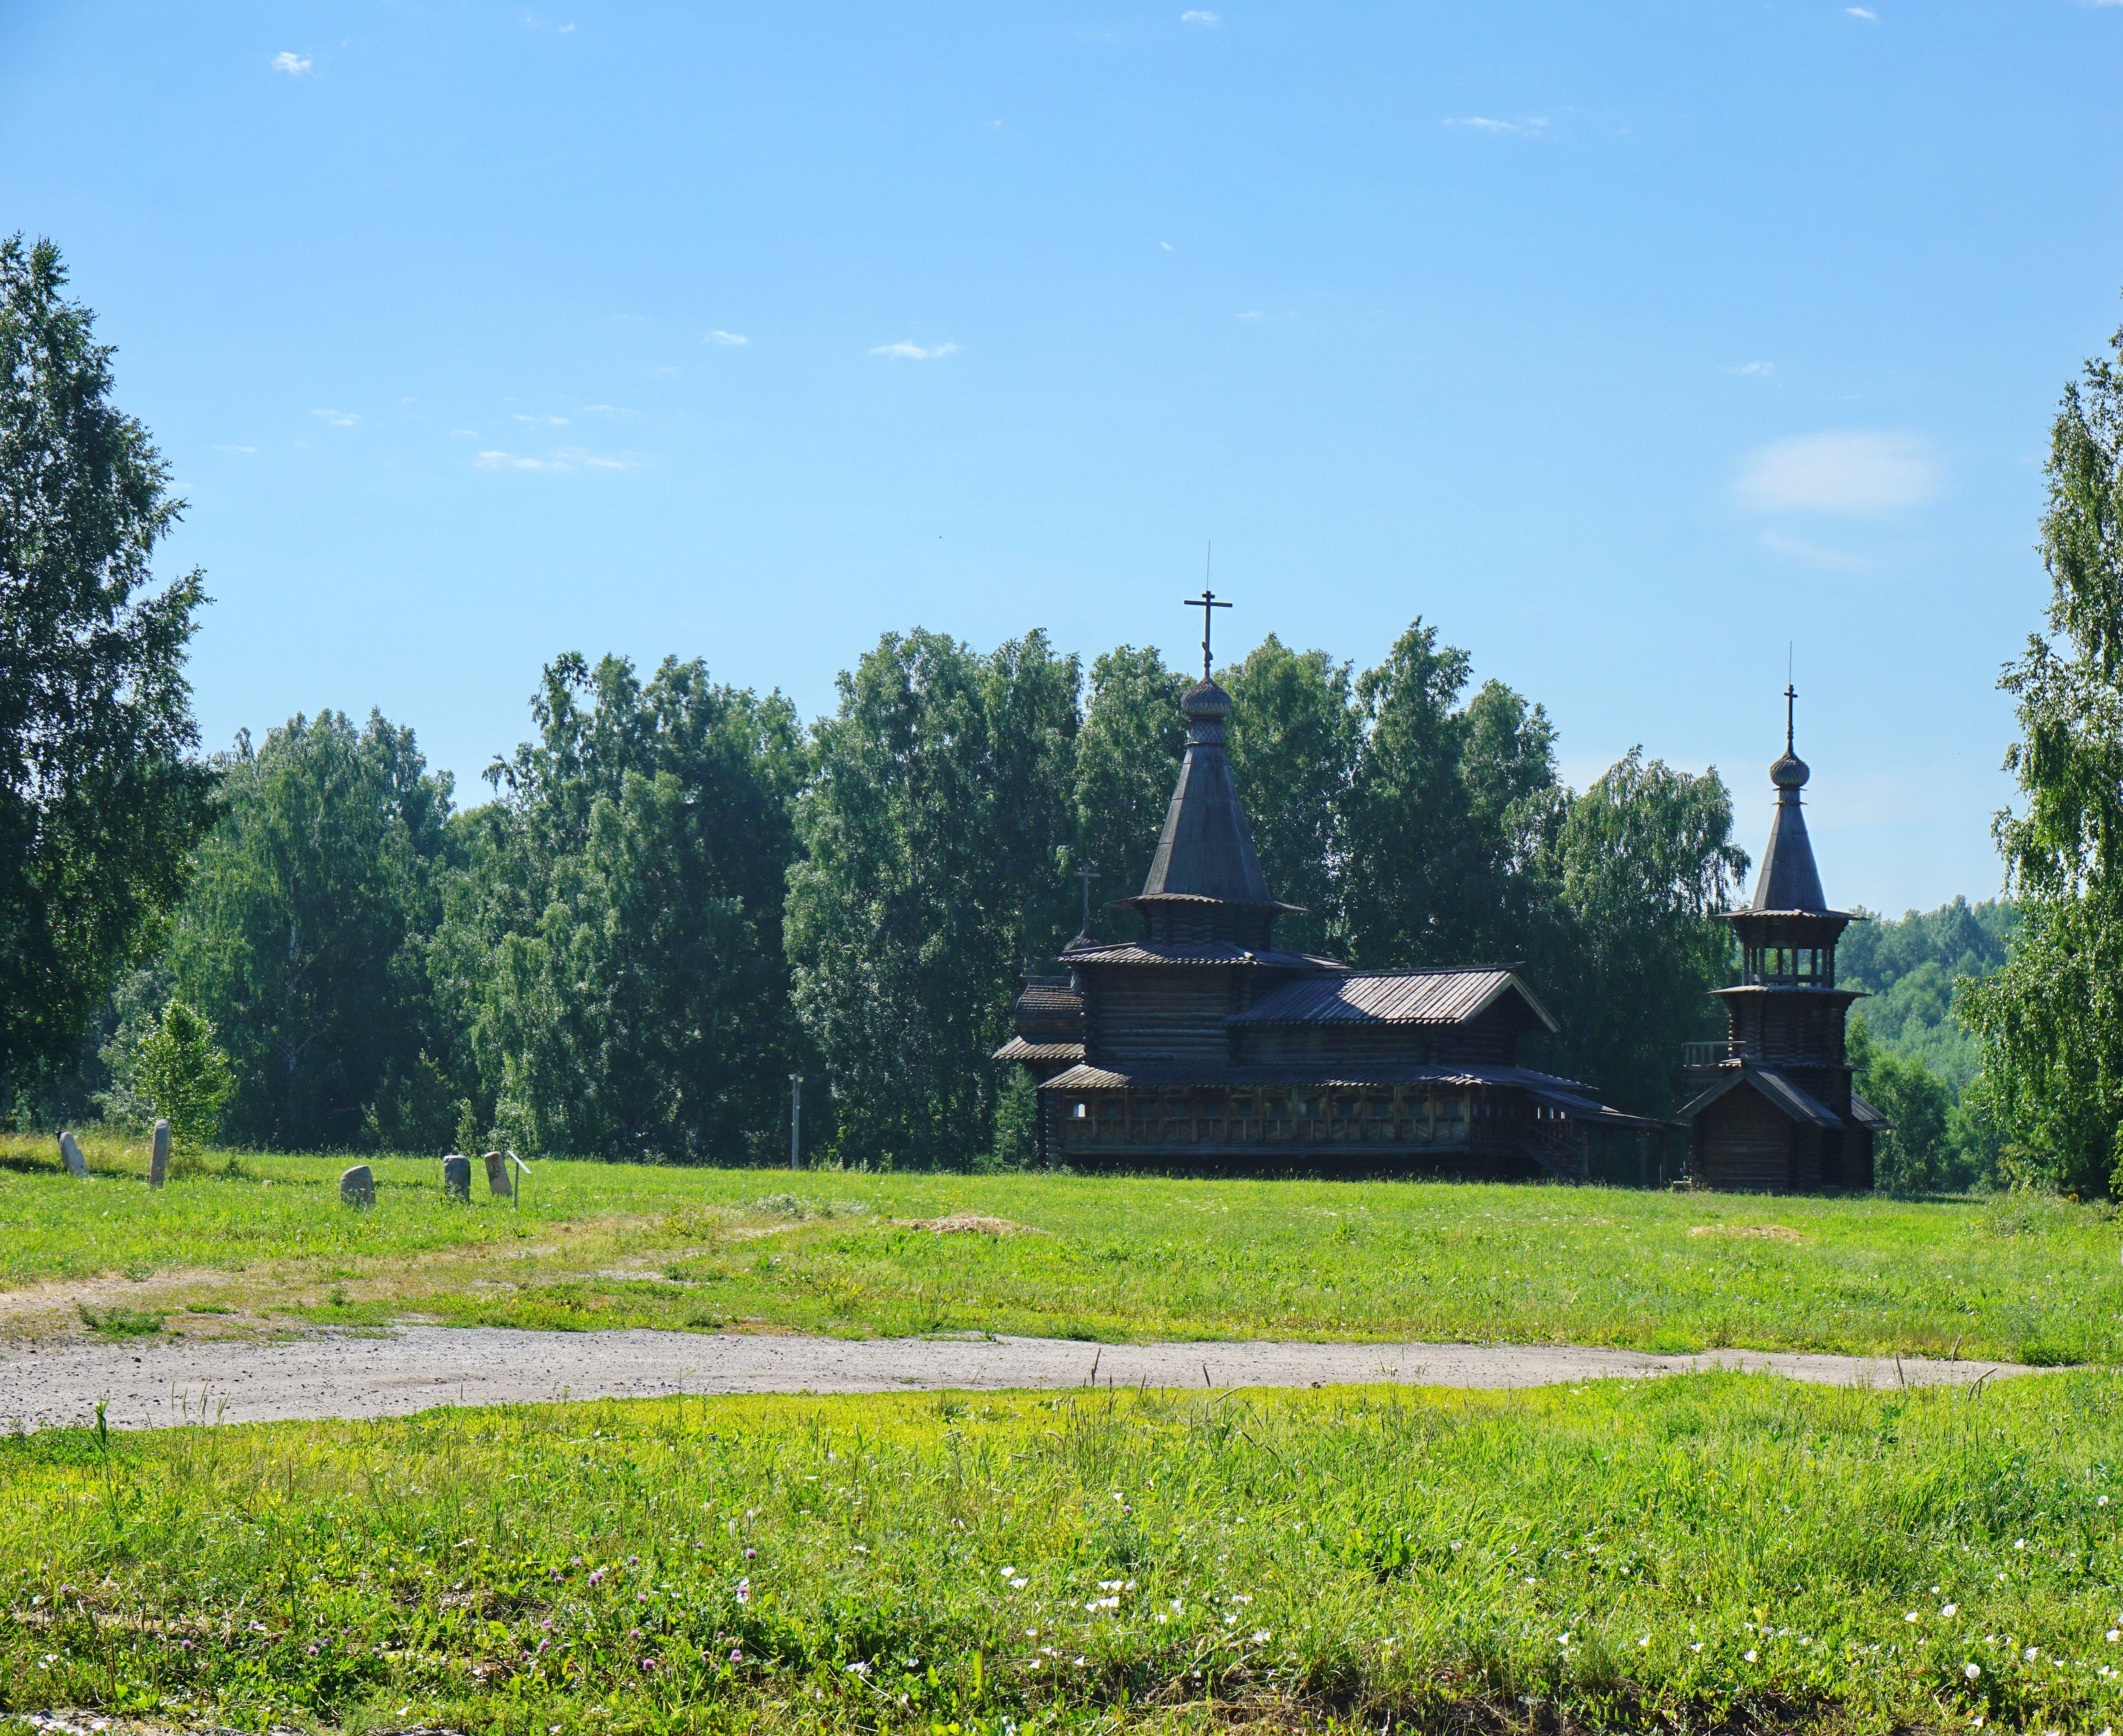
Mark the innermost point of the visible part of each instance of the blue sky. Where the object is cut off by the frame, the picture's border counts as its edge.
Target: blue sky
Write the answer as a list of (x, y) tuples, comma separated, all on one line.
[(1627, 342)]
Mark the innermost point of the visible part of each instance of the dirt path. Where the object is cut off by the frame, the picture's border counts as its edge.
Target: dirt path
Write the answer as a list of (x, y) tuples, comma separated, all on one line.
[(149, 1384)]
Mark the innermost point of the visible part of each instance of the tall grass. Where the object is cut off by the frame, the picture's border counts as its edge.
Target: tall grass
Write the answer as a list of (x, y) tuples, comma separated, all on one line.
[(614, 1244), (1705, 1552)]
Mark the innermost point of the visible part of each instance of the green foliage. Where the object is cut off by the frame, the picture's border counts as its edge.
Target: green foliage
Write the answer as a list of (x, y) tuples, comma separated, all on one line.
[(304, 939), (1294, 737), (100, 799), (184, 1078), (935, 832), (2050, 1022), (1920, 1155), (614, 946), (1016, 1123), (1419, 883), (119, 1322), (1908, 968), (1640, 861), (1127, 755), (1706, 1552)]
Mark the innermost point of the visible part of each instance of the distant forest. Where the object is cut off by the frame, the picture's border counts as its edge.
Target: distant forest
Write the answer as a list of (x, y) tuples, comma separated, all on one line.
[(1916, 1060), (678, 895)]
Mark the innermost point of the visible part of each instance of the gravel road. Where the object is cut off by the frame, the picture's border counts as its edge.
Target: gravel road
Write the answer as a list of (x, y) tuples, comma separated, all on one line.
[(151, 1385)]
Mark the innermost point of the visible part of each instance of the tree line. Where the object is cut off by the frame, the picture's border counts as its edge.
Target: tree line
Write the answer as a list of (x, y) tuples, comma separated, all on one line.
[(677, 894)]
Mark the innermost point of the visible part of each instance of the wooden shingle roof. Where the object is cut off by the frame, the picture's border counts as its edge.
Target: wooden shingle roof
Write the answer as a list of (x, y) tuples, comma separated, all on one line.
[(1444, 997)]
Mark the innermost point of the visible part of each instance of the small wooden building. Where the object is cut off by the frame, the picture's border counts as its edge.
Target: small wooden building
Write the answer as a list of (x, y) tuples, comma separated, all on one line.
[(1776, 1113), (1201, 1043)]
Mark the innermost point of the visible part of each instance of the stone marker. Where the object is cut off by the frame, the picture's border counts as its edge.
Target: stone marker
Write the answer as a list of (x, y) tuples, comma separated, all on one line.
[(70, 1150), (497, 1177), (457, 1176), (357, 1187), (158, 1161)]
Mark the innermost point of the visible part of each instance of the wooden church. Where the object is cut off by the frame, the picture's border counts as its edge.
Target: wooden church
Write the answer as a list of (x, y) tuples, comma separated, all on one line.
[(1777, 1114), (1201, 1043)]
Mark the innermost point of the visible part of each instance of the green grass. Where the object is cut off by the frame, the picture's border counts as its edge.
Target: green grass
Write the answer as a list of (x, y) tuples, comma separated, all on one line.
[(1702, 1553), (620, 1245)]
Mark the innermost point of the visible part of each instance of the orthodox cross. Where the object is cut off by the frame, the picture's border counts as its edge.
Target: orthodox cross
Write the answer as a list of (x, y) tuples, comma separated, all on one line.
[(1790, 701), (1087, 875), (1205, 602)]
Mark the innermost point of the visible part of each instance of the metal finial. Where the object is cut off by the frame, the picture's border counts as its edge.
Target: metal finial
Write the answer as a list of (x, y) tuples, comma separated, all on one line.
[(1791, 702), (1087, 875), (1205, 602)]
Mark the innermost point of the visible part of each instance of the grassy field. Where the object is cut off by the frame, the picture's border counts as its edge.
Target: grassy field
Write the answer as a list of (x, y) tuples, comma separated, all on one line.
[(268, 1244), (1702, 1553)]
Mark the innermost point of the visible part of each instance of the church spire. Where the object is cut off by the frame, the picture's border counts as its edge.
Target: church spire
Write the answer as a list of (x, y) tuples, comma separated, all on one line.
[(1789, 881), (1206, 848)]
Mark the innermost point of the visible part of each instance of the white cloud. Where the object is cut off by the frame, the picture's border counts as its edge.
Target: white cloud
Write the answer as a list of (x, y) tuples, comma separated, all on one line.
[(236, 449), (1531, 126), (1862, 474), (661, 373), (293, 65), (1828, 560), (1166, 246), (731, 337), (1252, 314), (907, 352), (1207, 20), (571, 458), (1866, 12), (540, 421), (1754, 370), (337, 418), (604, 410), (465, 434)]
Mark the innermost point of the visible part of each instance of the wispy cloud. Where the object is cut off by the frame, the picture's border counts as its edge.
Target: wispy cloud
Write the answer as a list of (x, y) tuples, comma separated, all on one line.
[(1866, 12), (905, 351), (1828, 560), (1253, 313), (540, 421), (465, 434), (236, 449), (337, 418), (661, 373), (1207, 20), (572, 458), (731, 337), (532, 22), (603, 410), (1166, 246), (1754, 370), (294, 65), (1862, 475), (1532, 126)]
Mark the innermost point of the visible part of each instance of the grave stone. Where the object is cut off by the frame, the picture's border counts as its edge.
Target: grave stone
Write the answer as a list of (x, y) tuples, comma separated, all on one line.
[(497, 1176), (158, 1160), (457, 1176), (357, 1187), (70, 1150)]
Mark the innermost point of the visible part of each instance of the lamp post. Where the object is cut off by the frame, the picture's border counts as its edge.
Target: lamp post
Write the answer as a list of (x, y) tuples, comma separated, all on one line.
[(796, 1120)]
